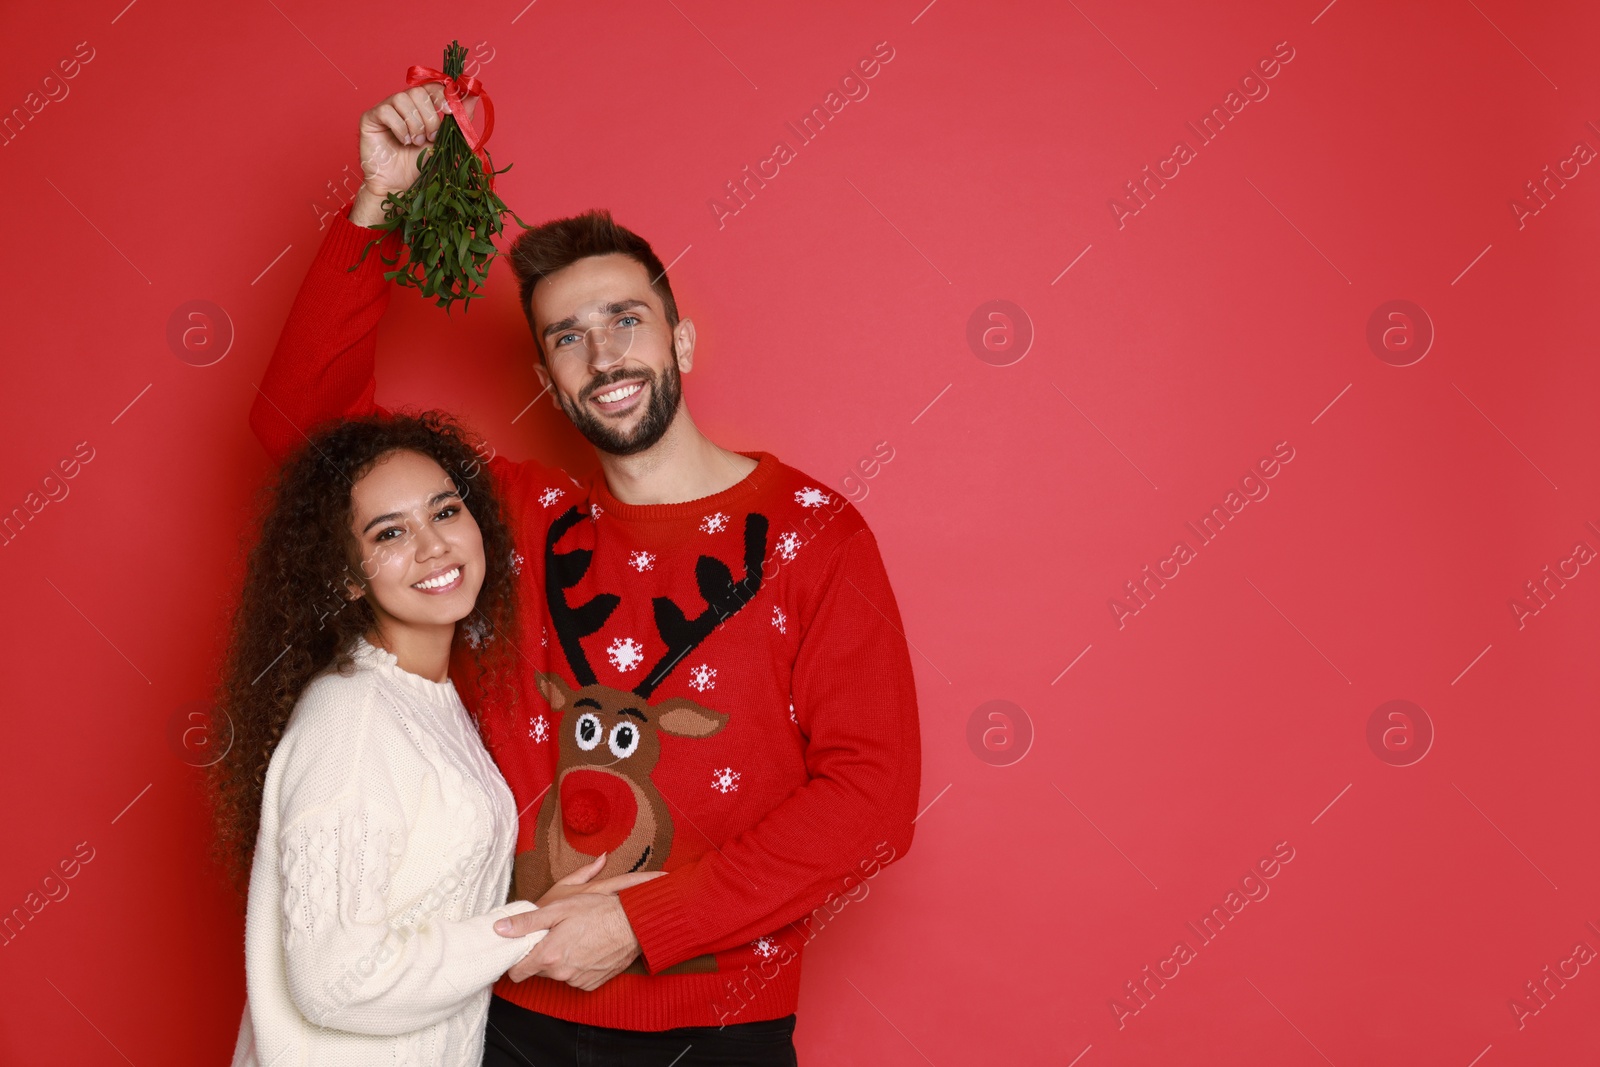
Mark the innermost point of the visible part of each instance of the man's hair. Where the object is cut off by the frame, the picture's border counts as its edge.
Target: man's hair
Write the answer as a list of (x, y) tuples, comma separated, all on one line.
[(545, 249)]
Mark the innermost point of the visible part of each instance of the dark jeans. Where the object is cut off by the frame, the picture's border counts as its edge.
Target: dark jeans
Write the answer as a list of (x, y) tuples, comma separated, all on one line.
[(518, 1037)]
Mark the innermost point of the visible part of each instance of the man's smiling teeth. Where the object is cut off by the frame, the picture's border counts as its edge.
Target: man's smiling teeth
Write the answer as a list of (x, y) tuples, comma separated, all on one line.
[(440, 582), (621, 392)]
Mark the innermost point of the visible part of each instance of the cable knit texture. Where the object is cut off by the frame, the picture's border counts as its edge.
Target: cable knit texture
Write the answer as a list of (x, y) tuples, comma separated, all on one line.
[(382, 862)]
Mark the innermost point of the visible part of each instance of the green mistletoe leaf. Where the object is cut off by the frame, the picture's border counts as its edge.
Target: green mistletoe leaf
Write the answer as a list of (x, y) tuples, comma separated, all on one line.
[(449, 212)]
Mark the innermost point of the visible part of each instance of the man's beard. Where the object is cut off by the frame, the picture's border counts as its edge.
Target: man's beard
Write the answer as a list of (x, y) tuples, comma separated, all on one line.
[(666, 389)]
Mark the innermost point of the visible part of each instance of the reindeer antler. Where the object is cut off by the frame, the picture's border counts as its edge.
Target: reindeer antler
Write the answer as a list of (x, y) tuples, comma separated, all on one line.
[(723, 598), (562, 571)]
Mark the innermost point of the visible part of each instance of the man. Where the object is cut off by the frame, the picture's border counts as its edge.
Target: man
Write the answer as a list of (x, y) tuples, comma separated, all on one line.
[(714, 680)]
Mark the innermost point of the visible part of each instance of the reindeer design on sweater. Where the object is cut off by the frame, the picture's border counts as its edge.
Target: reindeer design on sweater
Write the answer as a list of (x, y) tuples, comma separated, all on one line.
[(602, 798)]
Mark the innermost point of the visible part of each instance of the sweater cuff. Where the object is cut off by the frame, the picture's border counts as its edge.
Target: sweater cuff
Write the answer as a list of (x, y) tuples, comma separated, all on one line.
[(344, 243), (515, 907), (656, 911), (524, 942)]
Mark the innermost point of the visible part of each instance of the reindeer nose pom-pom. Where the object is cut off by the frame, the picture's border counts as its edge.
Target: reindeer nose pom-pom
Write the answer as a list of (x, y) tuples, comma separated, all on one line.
[(585, 811), (598, 810)]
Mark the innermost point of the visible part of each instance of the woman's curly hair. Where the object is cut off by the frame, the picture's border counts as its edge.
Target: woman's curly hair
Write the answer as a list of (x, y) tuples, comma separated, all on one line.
[(293, 619)]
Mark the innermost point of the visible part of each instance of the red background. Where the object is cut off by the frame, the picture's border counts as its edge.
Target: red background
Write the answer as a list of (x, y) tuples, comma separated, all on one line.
[(1225, 317)]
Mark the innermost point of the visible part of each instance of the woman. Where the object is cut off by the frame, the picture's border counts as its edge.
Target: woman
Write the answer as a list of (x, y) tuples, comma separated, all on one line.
[(381, 831)]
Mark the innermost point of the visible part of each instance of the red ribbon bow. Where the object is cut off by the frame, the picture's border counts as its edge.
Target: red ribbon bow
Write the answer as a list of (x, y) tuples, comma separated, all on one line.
[(454, 90)]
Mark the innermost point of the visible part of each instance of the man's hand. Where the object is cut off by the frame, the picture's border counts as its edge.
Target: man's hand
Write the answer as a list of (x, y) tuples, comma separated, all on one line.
[(589, 943), (393, 136)]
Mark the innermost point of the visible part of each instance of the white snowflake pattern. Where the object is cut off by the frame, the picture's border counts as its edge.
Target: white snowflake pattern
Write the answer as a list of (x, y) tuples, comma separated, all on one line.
[(550, 496), (788, 545), (765, 947), (779, 619), (625, 653), (544, 637), (810, 497), (726, 780), (716, 522), (476, 631), (641, 560), (539, 729), (791, 714), (703, 677), (516, 562), (595, 511)]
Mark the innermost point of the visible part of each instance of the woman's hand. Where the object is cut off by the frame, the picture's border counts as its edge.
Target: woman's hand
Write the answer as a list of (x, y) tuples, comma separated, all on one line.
[(588, 944), (578, 882), (595, 942)]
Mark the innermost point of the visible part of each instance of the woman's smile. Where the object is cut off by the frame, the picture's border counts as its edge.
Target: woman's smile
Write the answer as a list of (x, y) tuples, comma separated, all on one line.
[(444, 580)]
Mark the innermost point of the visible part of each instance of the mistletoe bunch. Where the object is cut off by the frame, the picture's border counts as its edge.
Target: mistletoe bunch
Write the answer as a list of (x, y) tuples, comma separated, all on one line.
[(449, 215)]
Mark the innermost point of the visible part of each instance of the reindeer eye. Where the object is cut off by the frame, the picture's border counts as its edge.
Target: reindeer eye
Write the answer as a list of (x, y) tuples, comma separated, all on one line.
[(589, 731), (624, 739)]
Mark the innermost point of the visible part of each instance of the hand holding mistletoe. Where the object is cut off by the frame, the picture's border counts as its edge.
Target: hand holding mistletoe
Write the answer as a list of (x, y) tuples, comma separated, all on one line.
[(428, 175)]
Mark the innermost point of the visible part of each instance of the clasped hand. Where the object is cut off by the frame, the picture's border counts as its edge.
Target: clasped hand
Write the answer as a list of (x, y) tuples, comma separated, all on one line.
[(590, 941)]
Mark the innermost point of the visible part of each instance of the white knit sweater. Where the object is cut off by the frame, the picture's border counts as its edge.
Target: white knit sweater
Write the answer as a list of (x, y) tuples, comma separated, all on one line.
[(383, 860)]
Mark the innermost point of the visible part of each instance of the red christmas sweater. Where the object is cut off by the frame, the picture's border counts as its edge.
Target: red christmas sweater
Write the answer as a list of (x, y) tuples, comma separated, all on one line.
[(718, 689)]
